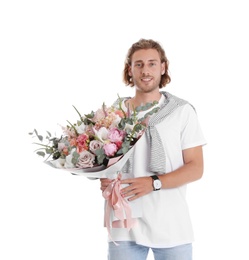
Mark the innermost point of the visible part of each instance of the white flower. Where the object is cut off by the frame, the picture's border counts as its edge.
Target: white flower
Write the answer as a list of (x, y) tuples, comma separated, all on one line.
[(80, 128), (116, 121), (102, 134), (68, 163), (128, 128)]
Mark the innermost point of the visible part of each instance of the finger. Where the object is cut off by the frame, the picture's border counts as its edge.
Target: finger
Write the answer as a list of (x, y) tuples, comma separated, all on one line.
[(104, 185), (128, 191), (127, 181), (136, 196)]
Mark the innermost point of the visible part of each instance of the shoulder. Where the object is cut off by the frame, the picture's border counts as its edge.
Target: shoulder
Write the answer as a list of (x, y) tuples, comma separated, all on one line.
[(178, 101), (172, 98)]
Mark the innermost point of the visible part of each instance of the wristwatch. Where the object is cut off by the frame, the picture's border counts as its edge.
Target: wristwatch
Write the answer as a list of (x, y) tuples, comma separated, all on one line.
[(156, 183)]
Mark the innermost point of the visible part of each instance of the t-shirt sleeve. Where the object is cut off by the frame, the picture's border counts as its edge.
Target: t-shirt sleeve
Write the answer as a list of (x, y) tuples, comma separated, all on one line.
[(191, 132)]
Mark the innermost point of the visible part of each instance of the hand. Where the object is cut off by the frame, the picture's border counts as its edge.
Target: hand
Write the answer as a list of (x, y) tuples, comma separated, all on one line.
[(137, 188), (104, 182)]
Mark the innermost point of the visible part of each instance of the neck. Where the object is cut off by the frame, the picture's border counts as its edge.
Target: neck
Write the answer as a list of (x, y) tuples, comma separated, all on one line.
[(145, 97)]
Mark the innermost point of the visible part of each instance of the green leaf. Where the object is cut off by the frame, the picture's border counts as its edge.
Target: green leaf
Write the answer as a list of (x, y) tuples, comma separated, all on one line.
[(120, 106), (78, 113), (73, 127), (41, 153), (91, 115), (75, 157), (121, 124), (129, 121), (137, 127), (40, 137), (100, 155), (125, 148), (49, 150)]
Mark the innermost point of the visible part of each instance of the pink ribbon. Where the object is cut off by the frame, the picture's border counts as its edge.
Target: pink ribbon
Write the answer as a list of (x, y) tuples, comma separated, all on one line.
[(119, 205)]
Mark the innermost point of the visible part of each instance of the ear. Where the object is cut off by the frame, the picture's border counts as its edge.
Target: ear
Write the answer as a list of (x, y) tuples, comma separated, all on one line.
[(129, 71), (162, 68)]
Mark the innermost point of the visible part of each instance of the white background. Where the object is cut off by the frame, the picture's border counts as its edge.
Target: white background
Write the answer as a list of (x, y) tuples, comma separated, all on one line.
[(55, 54)]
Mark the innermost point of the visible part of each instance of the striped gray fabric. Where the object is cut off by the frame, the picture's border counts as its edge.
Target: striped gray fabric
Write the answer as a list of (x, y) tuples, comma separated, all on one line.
[(157, 154), (157, 162)]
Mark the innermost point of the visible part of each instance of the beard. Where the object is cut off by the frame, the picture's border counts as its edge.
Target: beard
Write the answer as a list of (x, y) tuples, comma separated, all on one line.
[(147, 86)]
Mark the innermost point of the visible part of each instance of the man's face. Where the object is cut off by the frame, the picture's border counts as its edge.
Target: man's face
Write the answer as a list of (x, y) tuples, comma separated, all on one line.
[(146, 69)]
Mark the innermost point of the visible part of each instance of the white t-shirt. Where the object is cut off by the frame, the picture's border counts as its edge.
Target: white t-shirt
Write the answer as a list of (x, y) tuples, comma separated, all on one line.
[(165, 220)]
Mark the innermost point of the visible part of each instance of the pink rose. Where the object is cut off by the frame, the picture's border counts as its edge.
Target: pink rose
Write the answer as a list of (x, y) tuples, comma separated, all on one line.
[(95, 145), (110, 149), (116, 135), (85, 160)]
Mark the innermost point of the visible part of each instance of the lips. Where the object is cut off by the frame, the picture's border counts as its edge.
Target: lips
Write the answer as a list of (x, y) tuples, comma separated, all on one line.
[(146, 79)]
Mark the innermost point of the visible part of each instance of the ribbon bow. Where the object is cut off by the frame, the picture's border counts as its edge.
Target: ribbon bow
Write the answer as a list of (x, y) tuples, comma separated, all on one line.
[(120, 207)]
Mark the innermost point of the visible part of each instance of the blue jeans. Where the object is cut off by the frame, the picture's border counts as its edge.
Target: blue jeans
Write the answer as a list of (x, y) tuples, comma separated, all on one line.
[(127, 250)]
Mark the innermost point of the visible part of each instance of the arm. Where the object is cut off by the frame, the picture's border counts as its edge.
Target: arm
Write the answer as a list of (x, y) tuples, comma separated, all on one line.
[(191, 171)]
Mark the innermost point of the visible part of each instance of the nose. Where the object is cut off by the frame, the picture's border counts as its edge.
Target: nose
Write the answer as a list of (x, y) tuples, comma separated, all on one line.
[(145, 71)]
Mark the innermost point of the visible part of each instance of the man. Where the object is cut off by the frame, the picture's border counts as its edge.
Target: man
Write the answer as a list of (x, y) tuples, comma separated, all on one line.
[(165, 159)]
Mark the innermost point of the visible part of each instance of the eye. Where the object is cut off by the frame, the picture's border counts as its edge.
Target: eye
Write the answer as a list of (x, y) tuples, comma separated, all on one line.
[(152, 64), (138, 65)]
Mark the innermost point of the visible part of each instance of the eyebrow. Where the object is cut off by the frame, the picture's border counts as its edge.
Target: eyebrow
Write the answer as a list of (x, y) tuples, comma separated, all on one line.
[(143, 61)]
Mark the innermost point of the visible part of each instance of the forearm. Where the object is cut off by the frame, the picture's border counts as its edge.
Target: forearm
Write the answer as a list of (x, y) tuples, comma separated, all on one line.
[(189, 172)]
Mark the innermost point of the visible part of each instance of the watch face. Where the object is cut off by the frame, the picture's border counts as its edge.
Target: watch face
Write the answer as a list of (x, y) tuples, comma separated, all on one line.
[(157, 184)]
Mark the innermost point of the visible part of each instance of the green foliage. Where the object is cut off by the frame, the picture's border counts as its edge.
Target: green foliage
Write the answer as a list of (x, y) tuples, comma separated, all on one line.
[(40, 137), (100, 155), (88, 119), (50, 148), (75, 157), (151, 112), (124, 148), (146, 106)]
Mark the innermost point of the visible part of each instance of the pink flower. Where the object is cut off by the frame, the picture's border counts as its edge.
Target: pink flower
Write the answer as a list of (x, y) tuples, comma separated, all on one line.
[(95, 145), (85, 160), (110, 149), (116, 135), (82, 142), (69, 132), (99, 115)]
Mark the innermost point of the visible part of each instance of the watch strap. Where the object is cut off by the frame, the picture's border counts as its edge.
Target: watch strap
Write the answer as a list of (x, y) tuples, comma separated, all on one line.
[(154, 178)]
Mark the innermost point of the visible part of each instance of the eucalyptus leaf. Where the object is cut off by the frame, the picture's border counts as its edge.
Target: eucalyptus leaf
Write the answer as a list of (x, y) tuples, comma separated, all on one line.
[(91, 115), (49, 150), (75, 157), (121, 124), (137, 127), (40, 153)]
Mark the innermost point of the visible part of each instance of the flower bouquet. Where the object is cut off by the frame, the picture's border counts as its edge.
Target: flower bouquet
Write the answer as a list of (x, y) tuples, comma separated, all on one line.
[(96, 143), (98, 146)]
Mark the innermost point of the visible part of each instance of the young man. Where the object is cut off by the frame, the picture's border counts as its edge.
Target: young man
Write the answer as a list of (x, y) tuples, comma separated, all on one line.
[(165, 159)]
